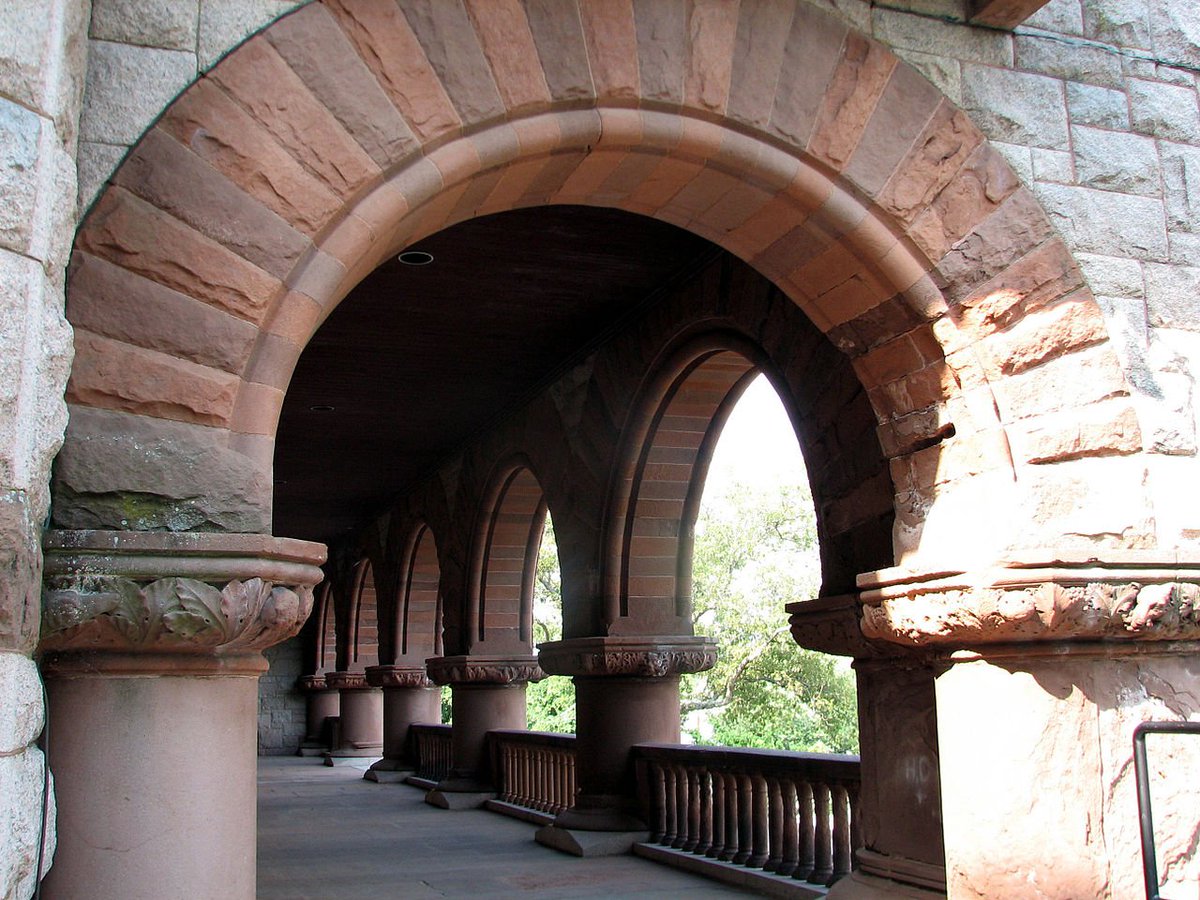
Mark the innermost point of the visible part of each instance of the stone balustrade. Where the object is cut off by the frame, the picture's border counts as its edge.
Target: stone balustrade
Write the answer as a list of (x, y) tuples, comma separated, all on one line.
[(794, 814), (534, 770), (432, 749)]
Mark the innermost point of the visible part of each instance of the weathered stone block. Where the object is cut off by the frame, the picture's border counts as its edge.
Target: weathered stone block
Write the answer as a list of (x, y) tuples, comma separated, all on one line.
[(128, 86), (122, 471), (957, 41), (1175, 31), (1092, 105), (22, 778), (224, 24), (944, 72), (166, 24), (24, 46), (96, 163), (21, 712), (1181, 183), (20, 574), (1166, 111), (1059, 16), (1106, 223), (1068, 381), (1102, 429), (20, 134), (1055, 166), (1091, 65), (1114, 161), (1016, 107), (1112, 275), (1171, 293), (1125, 23)]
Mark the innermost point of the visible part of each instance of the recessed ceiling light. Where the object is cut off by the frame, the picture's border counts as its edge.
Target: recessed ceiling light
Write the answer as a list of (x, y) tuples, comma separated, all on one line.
[(320, 408), (415, 258)]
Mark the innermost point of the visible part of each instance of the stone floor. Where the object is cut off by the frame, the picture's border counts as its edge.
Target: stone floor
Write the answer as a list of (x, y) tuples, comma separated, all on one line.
[(326, 834)]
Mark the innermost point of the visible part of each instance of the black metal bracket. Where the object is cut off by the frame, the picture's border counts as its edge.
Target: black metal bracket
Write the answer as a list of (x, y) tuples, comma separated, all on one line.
[(1149, 859)]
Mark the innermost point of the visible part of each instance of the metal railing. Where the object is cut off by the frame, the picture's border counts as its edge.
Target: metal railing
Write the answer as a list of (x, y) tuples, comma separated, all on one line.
[(794, 814), (1141, 772), (432, 749), (534, 769)]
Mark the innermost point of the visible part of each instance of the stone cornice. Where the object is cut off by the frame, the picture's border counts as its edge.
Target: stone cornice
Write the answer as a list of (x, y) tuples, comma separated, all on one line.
[(163, 594), (652, 656), (1126, 596), (483, 669), (398, 677)]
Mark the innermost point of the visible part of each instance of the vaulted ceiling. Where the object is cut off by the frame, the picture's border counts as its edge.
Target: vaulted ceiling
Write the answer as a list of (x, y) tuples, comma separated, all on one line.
[(417, 359)]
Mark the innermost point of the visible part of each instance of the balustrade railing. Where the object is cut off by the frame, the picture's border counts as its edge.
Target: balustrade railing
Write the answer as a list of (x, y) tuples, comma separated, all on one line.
[(794, 814), (432, 746), (534, 769)]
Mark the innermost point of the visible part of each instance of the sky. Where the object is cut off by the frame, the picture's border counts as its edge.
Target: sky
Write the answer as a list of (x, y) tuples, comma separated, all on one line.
[(758, 446)]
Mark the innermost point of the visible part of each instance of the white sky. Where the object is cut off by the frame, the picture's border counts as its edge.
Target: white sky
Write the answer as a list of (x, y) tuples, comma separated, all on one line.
[(758, 446)]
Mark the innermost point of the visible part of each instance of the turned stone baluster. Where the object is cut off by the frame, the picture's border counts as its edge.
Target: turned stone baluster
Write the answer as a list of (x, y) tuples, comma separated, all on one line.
[(693, 811), (681, 807), (806, 835), (856, 835), (658, 802), (571, 782), (535, 782), (775, 831), (745, 819), (841, 833), (717, 785), (543, 782), (822, 836), (671, 829), (759, 822), (729, 851), (791, 828), (704, 844)]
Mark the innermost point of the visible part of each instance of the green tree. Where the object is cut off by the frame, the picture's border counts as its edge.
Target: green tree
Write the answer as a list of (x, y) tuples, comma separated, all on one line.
[(754, 552), (550, 703)]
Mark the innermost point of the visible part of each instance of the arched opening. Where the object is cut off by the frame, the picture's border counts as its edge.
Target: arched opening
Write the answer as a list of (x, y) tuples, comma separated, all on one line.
[(363, 649), (418, 618)]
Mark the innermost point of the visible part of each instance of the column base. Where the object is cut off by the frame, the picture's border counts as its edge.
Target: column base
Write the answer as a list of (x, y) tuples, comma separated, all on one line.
[(352, 756), (389, 771), (315, 750), (578, 842), (605, 813), (455, 800)]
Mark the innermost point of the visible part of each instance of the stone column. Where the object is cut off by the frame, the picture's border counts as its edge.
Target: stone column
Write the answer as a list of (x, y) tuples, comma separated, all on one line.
[(151, 649), (1045, 668), (626, 693), (488, 694), (408, 697), (360, 719), (900, 807), (320, 705)]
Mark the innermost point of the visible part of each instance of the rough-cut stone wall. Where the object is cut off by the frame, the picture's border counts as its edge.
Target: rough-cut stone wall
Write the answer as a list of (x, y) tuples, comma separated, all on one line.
[(280, 706), (1094, 104), (42, 58)]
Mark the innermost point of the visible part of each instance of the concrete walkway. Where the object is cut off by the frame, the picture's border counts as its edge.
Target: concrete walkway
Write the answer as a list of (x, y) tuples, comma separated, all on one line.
[(325, 834)]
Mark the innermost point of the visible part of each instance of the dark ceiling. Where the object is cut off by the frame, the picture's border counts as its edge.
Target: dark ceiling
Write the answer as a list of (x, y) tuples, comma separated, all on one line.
[(418, 359)]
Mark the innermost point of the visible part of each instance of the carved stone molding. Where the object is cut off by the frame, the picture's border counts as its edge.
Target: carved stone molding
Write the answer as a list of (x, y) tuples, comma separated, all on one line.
[(831, 625), (151, 593), (650, 656), (348, 681), (398, 677), (483, 669), (1132, 596), (311, 684)]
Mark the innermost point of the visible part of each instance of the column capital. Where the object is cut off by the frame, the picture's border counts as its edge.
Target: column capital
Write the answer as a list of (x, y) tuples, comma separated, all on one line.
[(483, 669), (398, 677), (348, 681), (310, 684), (154, 601), (648, 656), (1121, 596)]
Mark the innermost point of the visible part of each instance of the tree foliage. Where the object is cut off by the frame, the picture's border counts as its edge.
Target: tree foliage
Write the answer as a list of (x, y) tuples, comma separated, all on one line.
[(550, 703), (754, 552)]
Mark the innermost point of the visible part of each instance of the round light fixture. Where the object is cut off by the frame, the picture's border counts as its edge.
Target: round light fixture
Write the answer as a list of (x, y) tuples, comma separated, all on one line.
[(320, 408), (415, 258)]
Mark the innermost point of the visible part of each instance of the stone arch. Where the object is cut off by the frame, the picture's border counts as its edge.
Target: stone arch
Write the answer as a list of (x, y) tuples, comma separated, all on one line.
[(779, 133), (326, 643), (417, 630), (503, 565)]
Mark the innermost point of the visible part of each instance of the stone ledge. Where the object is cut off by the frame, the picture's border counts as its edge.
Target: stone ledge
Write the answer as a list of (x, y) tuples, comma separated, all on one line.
[(763, 883)]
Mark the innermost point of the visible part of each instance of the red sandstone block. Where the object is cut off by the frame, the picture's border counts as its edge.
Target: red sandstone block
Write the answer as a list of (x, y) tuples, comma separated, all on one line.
[(668, 179), (321, 54), (712, 27), (257, 77), (889, 363), (113, 375), (273, 362), (610, 34), (662, 49), (1107, 428), (924, 388), (558, 35), (257, 409), (1075, 379), (1047, 332), (850, 99), (765, 227), (762, 33), (295, 317), (385, 42), (507, 43), (810, 57), (131, 233), (208, 122), (453, 49)]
